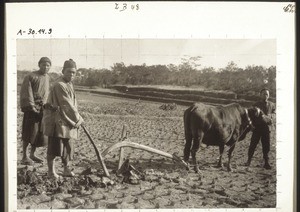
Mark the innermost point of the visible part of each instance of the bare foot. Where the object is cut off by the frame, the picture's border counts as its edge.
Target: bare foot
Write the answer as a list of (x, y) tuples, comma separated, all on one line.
[(267, 166), (196, 169), (68, 173), (27, 161), (220, 165), (36, 159), (247, 163), (52, 175)]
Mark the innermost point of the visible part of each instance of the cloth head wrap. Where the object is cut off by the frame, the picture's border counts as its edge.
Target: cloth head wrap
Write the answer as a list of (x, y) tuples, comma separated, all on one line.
[(69, 64), (44, 59)]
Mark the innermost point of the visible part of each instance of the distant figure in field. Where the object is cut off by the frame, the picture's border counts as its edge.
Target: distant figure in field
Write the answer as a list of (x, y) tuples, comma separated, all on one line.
[(33, 95), (62, 120), (262, 131)]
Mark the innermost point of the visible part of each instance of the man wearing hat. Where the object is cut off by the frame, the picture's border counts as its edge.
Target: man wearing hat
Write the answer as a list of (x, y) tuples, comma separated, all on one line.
[(262, 130), (33, 95), (61, 120)]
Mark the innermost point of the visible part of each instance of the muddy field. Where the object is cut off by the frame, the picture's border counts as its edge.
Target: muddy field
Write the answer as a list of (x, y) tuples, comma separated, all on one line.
[(164, 184)]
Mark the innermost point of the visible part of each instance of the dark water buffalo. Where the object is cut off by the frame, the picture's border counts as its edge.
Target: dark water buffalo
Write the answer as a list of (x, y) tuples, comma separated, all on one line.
[(216, 126)]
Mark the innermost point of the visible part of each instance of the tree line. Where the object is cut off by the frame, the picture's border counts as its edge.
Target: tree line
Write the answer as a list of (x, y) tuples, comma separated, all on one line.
[(232, 78), (247, 80)]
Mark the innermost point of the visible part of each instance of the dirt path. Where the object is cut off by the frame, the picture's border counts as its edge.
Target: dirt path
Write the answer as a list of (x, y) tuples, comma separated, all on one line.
[(166, 185)]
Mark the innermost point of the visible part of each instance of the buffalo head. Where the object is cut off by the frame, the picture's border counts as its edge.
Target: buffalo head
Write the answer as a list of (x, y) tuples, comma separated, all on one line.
[(253, 115)]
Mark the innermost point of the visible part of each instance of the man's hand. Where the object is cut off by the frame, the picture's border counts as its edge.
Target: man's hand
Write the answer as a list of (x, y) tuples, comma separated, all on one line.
[(35, 110), (266, 119), (79, 122), (48, 106)]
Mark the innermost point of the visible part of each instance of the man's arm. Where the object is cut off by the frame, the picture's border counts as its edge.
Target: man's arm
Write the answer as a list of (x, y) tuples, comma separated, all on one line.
[(66, 106), (273, 110), (268, 118), (26, 95)]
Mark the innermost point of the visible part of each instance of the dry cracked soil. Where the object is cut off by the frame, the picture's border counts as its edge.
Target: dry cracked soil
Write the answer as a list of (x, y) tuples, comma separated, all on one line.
[(166, 184)]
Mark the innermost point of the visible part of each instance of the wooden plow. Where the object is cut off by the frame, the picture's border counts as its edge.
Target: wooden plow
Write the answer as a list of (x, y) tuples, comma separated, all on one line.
[(125, 142)]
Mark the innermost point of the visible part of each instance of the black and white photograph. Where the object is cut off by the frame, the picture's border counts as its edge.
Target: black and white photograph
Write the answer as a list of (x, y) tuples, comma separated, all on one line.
[(147, 122)]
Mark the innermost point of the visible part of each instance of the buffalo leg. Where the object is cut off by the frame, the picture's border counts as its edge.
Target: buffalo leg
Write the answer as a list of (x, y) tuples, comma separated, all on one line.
[(229, 157), (196, 144), (187, 148), (221, 149), (188, 134)]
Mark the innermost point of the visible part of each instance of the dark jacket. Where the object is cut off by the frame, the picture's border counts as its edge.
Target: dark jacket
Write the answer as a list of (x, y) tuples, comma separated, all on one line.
[(268, 108)]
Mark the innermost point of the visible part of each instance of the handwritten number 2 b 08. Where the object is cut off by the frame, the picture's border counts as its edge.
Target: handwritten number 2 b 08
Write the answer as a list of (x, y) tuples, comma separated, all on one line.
[(125, 6)]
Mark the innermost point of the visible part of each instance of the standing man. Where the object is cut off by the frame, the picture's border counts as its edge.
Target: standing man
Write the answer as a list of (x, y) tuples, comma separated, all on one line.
[(62, 120), (33, 95), (262, 130)]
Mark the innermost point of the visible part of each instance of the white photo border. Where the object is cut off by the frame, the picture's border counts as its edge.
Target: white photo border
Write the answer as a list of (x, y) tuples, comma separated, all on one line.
[(197, 20)]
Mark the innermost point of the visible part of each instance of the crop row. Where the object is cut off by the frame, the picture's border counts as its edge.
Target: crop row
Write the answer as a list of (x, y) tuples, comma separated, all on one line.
[(204, 93)]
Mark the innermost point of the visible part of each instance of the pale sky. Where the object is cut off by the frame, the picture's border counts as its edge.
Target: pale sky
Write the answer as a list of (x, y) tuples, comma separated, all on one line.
[(103, 53)]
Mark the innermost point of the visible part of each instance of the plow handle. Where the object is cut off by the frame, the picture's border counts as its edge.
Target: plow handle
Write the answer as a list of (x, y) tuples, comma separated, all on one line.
[(99, 156)]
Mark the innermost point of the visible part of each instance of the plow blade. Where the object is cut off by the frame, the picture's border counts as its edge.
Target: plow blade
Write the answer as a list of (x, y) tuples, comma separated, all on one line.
[(142, 147)]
